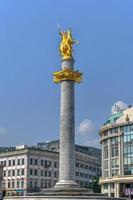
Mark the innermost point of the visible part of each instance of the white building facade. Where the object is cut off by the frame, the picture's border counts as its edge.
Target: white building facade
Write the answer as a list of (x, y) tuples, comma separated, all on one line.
[(117, 154), (32, 169), (1, 181)]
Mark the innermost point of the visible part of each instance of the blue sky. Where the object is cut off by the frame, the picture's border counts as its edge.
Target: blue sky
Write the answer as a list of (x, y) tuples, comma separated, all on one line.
[(29, 100)]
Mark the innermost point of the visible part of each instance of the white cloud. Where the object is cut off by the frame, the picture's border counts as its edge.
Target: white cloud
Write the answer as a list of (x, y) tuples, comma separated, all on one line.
[(86, 127), (87, 133), (118, 106), (3, 131)]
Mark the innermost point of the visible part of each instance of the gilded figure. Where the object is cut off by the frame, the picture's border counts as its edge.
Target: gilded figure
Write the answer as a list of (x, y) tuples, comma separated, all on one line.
[(67, 41)]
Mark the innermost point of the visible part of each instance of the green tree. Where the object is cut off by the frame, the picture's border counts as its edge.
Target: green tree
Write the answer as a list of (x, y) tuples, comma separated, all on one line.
[(95, 185)]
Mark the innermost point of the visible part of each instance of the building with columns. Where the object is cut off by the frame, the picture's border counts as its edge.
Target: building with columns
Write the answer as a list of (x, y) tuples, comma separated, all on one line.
[(117, 153), (31, 169)]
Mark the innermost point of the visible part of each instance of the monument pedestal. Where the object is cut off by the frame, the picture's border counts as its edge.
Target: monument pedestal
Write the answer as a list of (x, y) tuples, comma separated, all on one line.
[(63, 194)]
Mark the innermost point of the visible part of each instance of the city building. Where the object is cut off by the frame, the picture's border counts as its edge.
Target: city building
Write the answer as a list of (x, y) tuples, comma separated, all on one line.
[(1, 181), (30, 169), (117, 153)]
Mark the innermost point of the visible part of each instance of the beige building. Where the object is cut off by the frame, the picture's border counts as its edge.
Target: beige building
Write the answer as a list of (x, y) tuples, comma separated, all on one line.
[(117, 153), (30, 169)]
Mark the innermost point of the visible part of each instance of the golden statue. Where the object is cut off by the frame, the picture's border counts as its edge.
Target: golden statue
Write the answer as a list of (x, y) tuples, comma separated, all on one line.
[(65, 47)]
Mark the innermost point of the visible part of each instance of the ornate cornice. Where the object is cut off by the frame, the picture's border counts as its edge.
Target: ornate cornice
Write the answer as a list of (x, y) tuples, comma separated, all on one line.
[(67, 75)]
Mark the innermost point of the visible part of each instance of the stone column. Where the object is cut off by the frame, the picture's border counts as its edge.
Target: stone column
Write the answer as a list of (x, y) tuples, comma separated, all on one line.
[(67, 132)]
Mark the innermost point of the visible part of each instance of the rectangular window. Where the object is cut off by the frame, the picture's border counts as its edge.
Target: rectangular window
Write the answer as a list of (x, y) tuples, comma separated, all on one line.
[(49, 163), (55, 174), (45, 173), (22, 161), (13, 184), (49, 173), (4, 173), (13, 172), (41, 162), (105, 152), (9, 184), (18, 172), (35, 172), (13, 162), (46, 163), (55, 164), (18, 184), (31, 172), (18, 161), (35, 161), (22, 184), (31, 161), (41, 172), (9, 162), (4, 163), (9, 172), (22, 172)]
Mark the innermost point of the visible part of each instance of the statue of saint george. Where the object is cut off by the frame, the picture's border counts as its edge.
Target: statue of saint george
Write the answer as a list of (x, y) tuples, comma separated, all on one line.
[(65, 47)]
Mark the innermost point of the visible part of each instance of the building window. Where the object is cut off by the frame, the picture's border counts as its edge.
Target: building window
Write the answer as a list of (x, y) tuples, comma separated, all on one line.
[(49, 173), (22, 172), (9, 162), (46, 163), (49, 185), (4, 173), (35, 172), (18, 172), (77, 173), (55, 164), (128, 149), (41, 162), (4, 163), (105, 186), (106, 152), (13, 162), (18, 184), (76, 164), (115, 151), (81, 166), (31, 172), (9, 172), (13, 172), (31, 184), (18, 161), (45, 173), (35, 161), (55, 174), (94, 169), (13, 185), (45, 184), (115, 172), (41, 172), (106, 164), (22, 161), (22, 184), (81, 174), (9, 184), (35, 184), (49, 163), (42, 184), (115, 163), (31, 161), (106, 173)]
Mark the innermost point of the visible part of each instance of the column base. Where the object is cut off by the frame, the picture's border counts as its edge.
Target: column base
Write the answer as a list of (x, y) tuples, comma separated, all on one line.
[(66, 184)]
